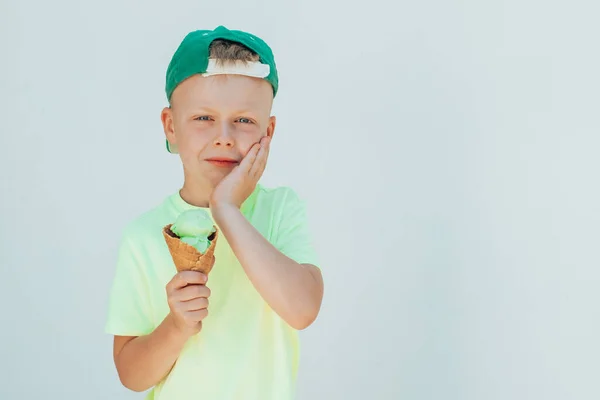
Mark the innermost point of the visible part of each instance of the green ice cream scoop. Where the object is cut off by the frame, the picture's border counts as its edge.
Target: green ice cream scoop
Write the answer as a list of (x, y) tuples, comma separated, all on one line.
[(194, 227)]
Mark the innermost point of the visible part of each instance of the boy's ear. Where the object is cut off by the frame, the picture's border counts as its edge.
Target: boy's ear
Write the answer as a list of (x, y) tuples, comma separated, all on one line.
[(271, 126), (166, 116)]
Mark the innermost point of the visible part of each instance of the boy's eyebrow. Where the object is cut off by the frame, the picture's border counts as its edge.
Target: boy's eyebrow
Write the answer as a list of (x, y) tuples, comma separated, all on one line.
[(246, 111), (203, 109)]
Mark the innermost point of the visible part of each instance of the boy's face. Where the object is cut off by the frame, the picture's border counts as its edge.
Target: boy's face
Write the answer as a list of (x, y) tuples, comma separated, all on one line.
[(215, 121)]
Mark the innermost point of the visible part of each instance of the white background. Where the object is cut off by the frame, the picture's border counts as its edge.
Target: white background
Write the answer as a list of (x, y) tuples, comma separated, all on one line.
[(448, 151)]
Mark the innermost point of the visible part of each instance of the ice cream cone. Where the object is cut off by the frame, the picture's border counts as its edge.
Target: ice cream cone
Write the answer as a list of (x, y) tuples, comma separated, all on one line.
[(186, 257)]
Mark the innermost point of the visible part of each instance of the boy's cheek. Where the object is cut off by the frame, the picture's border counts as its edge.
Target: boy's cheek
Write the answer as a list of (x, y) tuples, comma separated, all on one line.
[(247, 145)]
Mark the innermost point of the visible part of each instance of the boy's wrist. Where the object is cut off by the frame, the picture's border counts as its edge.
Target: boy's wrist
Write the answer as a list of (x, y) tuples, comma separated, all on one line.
[(174, 331), (221, 210)]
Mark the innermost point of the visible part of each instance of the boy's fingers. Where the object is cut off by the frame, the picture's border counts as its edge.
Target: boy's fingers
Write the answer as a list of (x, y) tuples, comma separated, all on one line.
[(261, 158), (258, 167), (185, 278), (192, 292), (198, 315), (195, 304), (193, 277), (248, 161)]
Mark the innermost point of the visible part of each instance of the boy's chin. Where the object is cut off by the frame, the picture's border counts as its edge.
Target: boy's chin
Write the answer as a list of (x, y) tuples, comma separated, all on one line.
[(203, 181), (207, 178), (213, 178)]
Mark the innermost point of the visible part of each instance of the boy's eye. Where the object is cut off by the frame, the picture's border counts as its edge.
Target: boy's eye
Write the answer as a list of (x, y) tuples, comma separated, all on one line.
[(244, 120), (203, 118)]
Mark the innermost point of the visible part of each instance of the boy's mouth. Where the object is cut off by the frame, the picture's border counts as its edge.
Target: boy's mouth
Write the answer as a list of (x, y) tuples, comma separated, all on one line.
[(222, 162)]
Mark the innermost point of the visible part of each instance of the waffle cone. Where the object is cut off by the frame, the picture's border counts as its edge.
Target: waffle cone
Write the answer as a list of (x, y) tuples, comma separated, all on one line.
[(187, 257)]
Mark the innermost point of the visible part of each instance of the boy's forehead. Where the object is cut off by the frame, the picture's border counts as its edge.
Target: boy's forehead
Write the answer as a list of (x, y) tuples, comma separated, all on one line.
[(223, 92)]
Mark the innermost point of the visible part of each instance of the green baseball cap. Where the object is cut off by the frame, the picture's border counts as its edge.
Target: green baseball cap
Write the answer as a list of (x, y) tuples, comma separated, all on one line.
[(192, 57)]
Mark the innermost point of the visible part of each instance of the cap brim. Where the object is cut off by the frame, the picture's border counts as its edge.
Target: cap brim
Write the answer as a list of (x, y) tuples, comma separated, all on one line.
[(171, 148)]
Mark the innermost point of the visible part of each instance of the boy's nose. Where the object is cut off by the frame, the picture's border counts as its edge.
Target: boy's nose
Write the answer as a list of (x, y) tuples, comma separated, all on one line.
[(224, 137)]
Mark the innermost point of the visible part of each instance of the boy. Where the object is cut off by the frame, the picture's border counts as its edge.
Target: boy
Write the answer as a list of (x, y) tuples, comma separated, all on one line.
[(233, 334)]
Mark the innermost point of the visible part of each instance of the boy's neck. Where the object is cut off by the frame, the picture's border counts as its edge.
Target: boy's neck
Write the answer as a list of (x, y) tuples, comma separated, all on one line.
[(195, 196)]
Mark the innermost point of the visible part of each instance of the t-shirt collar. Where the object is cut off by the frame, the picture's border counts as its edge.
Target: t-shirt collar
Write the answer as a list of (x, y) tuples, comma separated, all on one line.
[(181, 205)]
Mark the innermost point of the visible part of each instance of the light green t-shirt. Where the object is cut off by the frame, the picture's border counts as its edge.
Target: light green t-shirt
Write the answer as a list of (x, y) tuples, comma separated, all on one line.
[(244, 350)]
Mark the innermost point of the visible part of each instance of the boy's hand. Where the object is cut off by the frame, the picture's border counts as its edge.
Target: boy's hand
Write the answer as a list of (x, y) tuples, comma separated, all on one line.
[(188, 301), (235, 188)]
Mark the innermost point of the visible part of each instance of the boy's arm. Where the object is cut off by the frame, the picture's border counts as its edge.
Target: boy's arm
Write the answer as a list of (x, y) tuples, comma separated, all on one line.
[(143, 361), (292, 290)]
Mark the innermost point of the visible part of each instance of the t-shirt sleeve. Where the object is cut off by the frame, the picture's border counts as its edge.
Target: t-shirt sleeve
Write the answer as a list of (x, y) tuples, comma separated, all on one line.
[(129, 311), (294, 237)]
